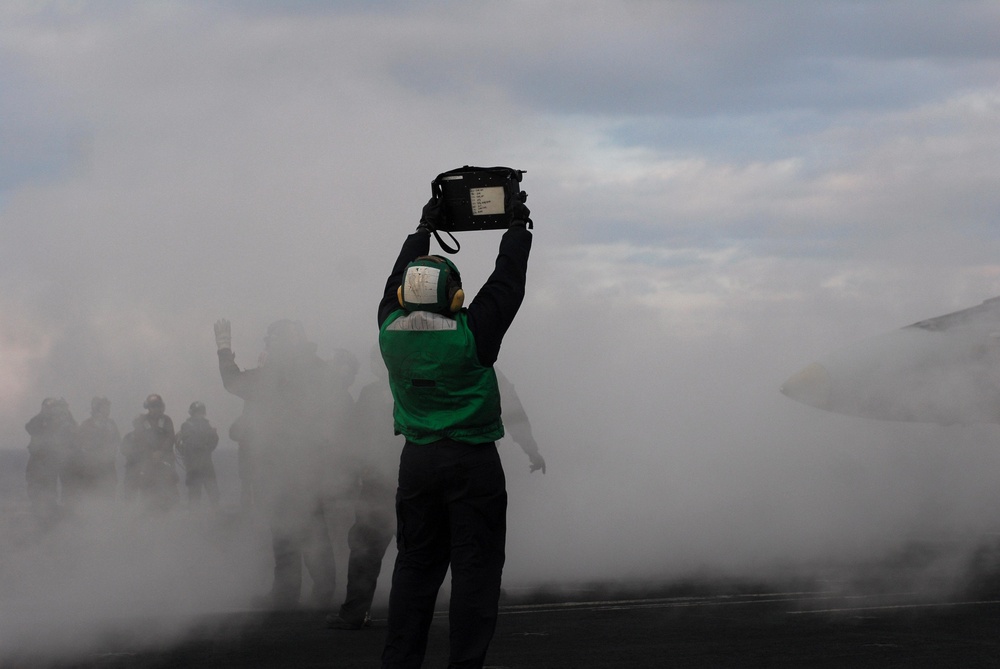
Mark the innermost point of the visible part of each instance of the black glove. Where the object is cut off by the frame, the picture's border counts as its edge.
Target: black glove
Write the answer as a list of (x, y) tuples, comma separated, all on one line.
[(520, 215), (430, 217)]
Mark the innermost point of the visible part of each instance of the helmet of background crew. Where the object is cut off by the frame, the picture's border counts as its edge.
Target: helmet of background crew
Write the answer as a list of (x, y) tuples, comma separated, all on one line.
[(154, 401), (284, 339), (197, 409), (99, 405)]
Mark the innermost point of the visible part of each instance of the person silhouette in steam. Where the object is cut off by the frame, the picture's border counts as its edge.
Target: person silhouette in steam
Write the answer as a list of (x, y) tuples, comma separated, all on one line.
[(150, 466), (195, 442), (296, 410), (51, 449), (99, 441)]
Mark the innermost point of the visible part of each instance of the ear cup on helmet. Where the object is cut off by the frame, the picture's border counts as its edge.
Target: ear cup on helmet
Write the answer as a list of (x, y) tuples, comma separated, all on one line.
[(457, 300)]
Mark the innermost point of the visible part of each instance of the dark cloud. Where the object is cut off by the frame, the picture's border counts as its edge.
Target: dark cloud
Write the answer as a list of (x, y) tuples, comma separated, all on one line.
[(719, 58), (307, 8)]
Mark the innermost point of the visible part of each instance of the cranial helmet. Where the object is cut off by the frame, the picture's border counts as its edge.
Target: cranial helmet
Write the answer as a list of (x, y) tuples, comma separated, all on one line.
[(197, 408), (99, 403), (431, 283), (285, 333), (154, 401)]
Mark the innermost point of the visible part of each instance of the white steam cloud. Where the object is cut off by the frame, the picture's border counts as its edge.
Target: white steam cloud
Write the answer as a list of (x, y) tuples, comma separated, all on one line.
[(714, 209)]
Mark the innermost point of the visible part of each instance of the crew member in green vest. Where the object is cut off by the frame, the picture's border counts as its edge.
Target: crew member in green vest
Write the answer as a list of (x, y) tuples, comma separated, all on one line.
[(451, 499)]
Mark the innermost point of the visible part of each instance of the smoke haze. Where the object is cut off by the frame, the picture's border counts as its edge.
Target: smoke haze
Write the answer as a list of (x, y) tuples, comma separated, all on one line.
[(715, 208)]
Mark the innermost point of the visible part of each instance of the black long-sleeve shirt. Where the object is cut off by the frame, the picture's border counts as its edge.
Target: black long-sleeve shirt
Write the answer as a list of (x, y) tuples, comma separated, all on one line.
[(492, 311)]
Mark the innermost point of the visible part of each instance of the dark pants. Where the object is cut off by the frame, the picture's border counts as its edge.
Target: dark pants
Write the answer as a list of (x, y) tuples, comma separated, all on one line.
[(368, 539), (451, 508), (202, 477), (299, 535), (44, 474)]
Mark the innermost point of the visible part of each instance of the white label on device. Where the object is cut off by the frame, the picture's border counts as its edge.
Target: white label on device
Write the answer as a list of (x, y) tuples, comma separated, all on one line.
[(486, 201)]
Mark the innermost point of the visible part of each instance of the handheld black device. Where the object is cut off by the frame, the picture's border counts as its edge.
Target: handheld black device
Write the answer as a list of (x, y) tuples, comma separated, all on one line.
[(477, 198)]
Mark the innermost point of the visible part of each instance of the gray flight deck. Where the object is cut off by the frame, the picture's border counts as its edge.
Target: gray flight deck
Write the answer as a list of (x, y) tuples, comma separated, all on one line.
[(699, 625)]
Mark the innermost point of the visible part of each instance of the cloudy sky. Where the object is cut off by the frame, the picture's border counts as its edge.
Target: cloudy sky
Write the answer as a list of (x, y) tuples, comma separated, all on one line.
[(722, 191)]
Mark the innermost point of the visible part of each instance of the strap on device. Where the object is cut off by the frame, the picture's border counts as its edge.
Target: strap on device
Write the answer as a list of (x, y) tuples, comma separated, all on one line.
[(436, 192)]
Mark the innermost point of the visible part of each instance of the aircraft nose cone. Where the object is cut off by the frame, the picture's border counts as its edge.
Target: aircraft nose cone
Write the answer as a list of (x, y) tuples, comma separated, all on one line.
[(810, 386)]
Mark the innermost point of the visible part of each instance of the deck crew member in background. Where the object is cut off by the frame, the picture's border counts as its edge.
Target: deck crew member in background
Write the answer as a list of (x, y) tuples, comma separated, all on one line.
[(296, 410), (99, 440), (150, 466), (377, 458), (195, 442), (50, 451)]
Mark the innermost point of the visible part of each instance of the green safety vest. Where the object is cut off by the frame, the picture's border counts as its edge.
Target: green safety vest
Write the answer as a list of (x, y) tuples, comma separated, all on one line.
[(440, 388)]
